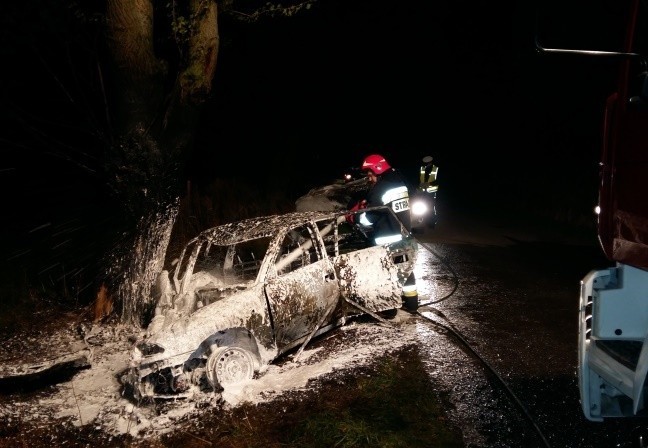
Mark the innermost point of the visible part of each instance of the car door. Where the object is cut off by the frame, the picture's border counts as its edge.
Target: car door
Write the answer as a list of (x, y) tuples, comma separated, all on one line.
[(372, 275), (302, 289), (370, 278)]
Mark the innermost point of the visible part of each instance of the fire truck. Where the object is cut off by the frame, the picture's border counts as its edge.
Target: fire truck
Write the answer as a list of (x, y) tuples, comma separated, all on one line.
[(613, 308)]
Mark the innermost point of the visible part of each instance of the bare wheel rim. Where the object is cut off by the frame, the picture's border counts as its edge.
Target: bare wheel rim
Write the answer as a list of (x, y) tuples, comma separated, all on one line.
[(229, 365)]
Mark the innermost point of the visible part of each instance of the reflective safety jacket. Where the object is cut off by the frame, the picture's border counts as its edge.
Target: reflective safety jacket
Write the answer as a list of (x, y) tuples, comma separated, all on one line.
[(391, 190), (428, 177)]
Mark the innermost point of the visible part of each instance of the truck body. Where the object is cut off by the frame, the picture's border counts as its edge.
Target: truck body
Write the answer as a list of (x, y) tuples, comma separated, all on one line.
[(613, 308)]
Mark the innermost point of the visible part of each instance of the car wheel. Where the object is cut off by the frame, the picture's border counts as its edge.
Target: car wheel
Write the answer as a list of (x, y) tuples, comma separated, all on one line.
[(228, 366)]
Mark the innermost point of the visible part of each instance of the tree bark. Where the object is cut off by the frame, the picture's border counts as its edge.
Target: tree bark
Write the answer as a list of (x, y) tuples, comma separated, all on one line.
[(154, 118)]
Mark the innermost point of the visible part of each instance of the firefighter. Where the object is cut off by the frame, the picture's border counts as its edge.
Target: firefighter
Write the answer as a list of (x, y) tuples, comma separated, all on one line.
[(388, 187), (428, 176), (424, 201)]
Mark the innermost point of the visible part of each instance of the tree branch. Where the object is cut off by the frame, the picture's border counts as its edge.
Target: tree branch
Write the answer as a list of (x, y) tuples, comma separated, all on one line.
[(270, 10)]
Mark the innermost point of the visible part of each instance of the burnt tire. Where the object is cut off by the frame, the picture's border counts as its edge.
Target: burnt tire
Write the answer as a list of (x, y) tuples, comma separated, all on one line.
[(227, 366)]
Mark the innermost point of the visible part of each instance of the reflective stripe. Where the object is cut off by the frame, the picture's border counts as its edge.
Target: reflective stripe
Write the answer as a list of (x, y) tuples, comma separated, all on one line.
[(431, 177), (364, 220), (410, 291), (433, 173), (388, 239), (394, 193)]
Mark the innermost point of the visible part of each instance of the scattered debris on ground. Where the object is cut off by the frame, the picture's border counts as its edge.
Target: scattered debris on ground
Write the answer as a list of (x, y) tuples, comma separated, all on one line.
[(91, 397)]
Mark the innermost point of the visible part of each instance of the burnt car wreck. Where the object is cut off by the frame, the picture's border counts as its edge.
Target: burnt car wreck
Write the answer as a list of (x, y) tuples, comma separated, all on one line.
[(244, 293)]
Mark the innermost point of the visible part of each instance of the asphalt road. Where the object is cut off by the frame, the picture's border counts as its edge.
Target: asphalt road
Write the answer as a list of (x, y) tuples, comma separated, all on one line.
[(506, 289)]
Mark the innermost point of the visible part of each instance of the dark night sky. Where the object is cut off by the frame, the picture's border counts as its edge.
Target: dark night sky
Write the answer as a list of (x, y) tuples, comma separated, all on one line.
[(378, 77), (311, 95), (461, 82), (304, 98)]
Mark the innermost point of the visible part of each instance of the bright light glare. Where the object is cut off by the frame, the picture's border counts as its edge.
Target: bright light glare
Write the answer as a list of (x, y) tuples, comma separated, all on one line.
[(427, 271), (419, 208), (597, 209), (388, 239)]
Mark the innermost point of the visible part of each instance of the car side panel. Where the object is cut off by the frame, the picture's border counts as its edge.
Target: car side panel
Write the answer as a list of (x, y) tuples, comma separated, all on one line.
[(301, 301), (369, 277)]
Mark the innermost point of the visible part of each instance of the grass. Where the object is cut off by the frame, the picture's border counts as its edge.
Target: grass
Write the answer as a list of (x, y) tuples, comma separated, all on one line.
[(390, 404)]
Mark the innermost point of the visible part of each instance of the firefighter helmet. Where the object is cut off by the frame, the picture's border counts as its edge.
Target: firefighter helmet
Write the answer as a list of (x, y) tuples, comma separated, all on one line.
[(375, 163)]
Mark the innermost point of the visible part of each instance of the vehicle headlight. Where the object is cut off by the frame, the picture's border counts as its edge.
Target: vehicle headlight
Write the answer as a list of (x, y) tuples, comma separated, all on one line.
[(419, 208)]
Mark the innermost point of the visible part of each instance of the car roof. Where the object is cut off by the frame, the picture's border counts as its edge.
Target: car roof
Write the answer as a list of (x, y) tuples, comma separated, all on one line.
[(259, 227)]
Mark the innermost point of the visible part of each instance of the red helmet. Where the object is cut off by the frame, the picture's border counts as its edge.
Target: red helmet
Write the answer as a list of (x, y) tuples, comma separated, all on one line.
[(375, 163)]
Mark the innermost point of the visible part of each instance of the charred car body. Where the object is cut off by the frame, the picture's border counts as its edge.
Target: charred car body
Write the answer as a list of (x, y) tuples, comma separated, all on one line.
[(244, 293), (338, 196)]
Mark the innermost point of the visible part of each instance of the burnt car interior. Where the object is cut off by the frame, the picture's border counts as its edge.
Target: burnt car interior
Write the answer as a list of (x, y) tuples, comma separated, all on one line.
[(298, 249), (218, 266), (345, 237)]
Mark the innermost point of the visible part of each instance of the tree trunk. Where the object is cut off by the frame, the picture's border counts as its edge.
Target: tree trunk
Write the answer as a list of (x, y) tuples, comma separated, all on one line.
[(153, 126)]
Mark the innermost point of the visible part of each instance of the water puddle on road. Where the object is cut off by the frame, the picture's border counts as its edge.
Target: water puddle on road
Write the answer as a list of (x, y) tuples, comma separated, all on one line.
[(431, 276)]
